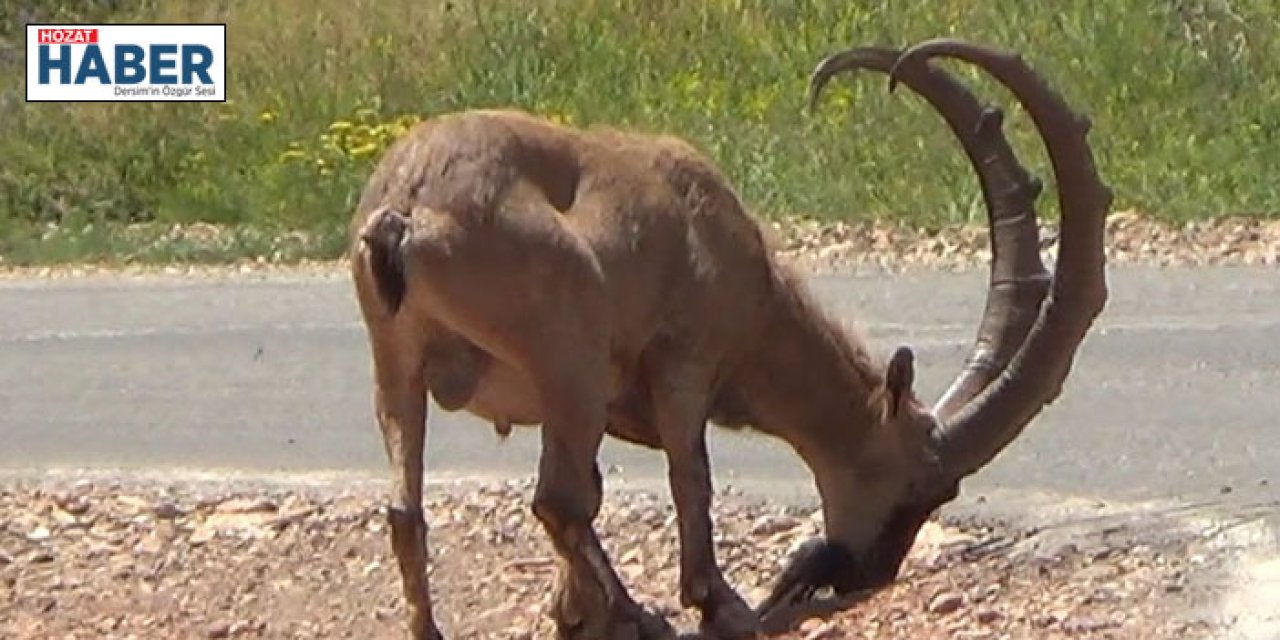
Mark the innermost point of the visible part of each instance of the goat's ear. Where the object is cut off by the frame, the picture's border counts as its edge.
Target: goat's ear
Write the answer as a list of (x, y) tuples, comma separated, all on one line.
[(899, 379)]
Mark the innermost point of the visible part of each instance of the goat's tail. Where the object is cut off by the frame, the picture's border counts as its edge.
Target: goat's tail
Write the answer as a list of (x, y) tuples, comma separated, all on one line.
[(384, 233)]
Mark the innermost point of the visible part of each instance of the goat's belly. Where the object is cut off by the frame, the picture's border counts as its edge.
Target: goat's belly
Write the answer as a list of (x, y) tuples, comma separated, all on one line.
[(461, 377), (505, 396)]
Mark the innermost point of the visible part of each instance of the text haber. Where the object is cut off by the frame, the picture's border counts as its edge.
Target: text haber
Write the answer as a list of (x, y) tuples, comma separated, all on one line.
[(68, 36)]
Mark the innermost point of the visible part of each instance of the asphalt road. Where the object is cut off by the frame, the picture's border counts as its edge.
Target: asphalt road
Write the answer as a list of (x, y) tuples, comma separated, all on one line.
[(1174, 396)]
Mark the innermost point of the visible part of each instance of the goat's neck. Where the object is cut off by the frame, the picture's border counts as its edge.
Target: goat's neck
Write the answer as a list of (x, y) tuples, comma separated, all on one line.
[(810, 382)]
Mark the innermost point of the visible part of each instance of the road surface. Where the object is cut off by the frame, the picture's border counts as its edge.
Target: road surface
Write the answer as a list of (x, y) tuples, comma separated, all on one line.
[(1174, 396)]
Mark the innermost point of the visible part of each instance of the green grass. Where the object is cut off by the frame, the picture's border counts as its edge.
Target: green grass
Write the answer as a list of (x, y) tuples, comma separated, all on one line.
[(1185, 95)]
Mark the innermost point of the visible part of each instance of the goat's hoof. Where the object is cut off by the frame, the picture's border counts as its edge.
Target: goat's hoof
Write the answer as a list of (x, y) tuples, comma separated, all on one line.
[(430, 633), (731, 619), (583, 611), (637, 624), (641, 625), (653, 626)]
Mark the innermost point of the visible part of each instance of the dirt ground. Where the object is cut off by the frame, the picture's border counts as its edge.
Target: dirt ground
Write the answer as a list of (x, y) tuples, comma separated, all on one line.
[(131, 560)]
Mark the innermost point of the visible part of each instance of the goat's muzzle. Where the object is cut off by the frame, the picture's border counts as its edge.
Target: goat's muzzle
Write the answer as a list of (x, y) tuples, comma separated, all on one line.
[(825, 575)]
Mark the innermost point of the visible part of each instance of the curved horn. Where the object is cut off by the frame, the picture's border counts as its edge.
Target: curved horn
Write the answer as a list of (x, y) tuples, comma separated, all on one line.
[(1019, 280), (973, 435)]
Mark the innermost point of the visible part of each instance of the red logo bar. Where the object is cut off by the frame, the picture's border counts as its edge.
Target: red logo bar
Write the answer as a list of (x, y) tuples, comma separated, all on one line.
[(67, 36)]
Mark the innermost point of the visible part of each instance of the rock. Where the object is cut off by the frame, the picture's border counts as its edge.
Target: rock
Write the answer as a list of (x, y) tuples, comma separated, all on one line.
[(933, 535), (133, 504), (217, 630), (945, 603), (1103, 594), (165, 510), (45, 604), (39, 534), (1045, 620), (151, 544), (108, 624), (74, 505), (815, 629), (64, 519), (631, 556), (989, 592), (987, 615), (121, 569), (1098, 572), (202, 534), (1087, 624), (246, 505)]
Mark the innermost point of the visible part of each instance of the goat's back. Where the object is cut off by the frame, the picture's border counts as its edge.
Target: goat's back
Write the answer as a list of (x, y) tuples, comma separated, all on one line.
[(679, 254)]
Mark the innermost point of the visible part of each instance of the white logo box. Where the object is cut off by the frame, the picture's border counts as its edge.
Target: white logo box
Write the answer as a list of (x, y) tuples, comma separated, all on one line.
[(126, 62)]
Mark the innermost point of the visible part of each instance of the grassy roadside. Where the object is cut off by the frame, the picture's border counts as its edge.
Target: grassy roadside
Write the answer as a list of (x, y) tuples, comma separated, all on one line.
[(1184, 94)]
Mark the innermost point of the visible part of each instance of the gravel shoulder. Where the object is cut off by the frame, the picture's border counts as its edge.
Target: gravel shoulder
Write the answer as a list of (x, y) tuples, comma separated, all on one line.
[(1132, 238), (126, 559)]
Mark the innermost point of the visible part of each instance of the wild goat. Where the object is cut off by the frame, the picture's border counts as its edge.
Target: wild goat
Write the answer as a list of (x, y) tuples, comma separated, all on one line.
[(601, 282)]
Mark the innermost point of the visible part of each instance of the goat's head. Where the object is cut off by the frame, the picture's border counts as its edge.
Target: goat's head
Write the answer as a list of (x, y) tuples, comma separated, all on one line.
[(1027, 338)]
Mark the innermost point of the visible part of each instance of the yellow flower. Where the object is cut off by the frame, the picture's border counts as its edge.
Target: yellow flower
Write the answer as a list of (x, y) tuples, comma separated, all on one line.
[(366, 149), (267, 117)]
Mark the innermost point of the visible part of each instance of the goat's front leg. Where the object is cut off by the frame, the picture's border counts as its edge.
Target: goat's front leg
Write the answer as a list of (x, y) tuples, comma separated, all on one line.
[(680, 410), (400, 398), (592, 603)]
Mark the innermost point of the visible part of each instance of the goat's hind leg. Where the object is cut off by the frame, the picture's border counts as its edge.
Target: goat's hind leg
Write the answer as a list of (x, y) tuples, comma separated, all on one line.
[(549, 318), (400, 399)]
